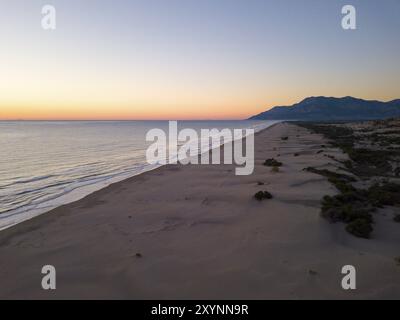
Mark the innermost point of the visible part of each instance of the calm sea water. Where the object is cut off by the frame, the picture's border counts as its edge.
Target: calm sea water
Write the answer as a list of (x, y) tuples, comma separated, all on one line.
[(44, 164)]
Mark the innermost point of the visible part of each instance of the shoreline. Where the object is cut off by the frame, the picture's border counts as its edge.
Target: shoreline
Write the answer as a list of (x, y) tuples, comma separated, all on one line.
[(196, 232), (81, 192)]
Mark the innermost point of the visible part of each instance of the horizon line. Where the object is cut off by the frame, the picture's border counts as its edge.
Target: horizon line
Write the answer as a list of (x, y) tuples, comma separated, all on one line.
[(204, 119), (41, 120)]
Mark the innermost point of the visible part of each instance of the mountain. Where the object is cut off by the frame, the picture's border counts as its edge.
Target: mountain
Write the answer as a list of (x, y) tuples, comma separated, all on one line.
[(328, 108)]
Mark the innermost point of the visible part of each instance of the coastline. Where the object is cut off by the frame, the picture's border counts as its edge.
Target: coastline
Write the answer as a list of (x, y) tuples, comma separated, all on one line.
[(201, 235), (10, 219)]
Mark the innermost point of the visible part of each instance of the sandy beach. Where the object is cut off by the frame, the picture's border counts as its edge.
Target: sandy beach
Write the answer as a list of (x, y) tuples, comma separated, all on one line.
[(196, 232)]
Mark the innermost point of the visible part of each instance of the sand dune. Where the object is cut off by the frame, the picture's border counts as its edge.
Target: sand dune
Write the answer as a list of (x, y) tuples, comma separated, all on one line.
[(202, 235)]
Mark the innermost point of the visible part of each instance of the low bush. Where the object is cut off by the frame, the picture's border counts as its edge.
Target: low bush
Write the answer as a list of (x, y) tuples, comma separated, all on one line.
[(262, 195), (272, 163), (386, 194), (275, 169), (360, 228)]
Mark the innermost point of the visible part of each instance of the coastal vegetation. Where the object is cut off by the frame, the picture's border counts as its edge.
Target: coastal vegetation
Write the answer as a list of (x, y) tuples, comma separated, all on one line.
[(376, 167), (263, 195), (272, 163), (275, 169)]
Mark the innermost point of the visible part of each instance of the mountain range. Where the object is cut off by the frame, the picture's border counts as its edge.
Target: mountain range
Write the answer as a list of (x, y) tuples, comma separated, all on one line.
[(329, 108)]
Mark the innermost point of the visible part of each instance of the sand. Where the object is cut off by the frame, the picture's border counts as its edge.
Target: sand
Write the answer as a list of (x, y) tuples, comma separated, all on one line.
[(201, 235)]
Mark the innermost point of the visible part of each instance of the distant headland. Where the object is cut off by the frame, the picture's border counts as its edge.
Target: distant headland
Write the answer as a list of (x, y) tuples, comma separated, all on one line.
[(329, 108)]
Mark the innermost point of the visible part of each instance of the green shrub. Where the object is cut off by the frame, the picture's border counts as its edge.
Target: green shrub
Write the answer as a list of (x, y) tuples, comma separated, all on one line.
[(262, 195), (360, 228), (386, 194), (345, 209), (275, 169), (272, 163), (339, 180)]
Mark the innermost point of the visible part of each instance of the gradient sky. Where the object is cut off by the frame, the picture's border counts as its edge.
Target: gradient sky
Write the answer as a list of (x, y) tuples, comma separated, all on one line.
[(191, 59)]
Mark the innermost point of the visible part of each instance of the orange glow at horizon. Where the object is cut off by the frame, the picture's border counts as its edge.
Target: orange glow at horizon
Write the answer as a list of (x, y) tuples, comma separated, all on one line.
[(201, 60), (118, 112), (64, 88), (145, 110)]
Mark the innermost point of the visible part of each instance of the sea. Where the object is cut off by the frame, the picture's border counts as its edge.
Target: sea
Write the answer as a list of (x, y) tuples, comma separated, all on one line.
[(45, 164)]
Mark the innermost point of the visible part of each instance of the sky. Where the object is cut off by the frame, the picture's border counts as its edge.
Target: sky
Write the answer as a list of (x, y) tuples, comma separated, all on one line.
[(191, 59)]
